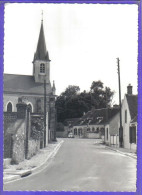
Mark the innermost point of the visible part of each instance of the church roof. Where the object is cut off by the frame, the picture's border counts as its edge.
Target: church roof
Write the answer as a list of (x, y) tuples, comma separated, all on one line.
[(24, 84), (132, 103), (41, 52)]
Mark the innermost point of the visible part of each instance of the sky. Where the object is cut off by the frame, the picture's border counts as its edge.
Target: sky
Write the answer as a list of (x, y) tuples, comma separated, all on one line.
[(83, 41)]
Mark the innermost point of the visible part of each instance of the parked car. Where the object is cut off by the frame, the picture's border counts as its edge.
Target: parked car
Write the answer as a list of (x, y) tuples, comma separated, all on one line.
[(70, 135)]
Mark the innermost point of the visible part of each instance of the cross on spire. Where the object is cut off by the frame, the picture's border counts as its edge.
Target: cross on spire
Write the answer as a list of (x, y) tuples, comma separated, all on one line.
[(42, 16)]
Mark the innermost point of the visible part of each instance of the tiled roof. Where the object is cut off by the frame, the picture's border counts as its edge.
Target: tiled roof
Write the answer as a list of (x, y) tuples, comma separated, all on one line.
[(71, 121), (97, 116), (132, 103), (134, 120), (24, 84), (41, 52)]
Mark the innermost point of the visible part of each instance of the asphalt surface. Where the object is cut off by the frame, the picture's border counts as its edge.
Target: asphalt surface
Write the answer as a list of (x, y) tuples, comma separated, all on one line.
[(82, 165)]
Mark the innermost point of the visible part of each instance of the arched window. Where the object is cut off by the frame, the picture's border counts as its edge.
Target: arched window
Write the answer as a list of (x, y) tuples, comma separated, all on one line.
[(42, 68), (75, 131), (30, 106), (9, 107)]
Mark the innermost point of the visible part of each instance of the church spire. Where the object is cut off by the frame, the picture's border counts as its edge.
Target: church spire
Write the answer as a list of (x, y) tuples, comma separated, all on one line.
[(41, 52)]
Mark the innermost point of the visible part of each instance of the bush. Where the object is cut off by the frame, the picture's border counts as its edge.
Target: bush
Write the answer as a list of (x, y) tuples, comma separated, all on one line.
[(60, 127)]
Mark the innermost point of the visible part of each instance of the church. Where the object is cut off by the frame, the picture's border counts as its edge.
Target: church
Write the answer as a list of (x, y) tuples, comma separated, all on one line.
[(32, 89)]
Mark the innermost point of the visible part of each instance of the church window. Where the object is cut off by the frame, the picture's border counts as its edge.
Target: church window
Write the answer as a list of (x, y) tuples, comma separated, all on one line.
[(42, 68), (9, 107), (125, 116)]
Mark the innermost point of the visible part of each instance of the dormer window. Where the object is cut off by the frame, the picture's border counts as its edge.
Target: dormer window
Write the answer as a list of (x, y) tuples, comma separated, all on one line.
[(42, 68)]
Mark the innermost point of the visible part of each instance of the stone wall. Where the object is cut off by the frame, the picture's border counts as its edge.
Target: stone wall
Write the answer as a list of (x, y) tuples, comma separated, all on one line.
[(18, 152), (8, 119), (92, 135), (62, 134), (33, 147)]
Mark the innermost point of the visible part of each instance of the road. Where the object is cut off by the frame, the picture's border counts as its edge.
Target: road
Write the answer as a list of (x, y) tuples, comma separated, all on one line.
[(82, 165)]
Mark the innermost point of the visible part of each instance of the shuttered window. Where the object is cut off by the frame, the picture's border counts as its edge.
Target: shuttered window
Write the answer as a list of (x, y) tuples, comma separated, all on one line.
[(133, 134)]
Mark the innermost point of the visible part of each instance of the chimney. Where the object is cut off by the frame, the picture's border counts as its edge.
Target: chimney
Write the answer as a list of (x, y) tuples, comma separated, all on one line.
[(129, 89)]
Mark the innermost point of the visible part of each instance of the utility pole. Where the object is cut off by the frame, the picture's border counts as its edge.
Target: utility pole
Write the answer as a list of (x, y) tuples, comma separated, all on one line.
[(44, 113), (120, 128)]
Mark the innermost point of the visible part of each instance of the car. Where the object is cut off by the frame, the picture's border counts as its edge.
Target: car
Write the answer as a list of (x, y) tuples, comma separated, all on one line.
[(70, 135)]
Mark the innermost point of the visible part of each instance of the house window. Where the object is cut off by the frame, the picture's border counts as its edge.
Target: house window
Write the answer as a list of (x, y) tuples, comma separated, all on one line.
[(125, 116), (97, 130), (80, 131), (42, 68), (93, 129), (9, 107), (133, 134), (88, 129), (75, 131)]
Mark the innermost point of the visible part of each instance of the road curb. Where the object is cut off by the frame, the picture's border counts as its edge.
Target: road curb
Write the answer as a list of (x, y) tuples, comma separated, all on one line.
[(9, 178), (126, 154), (14, 177), (43, 165)]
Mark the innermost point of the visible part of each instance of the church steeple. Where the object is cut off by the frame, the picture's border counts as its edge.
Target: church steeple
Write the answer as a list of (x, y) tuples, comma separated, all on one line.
[(41, 62), (41, 52)]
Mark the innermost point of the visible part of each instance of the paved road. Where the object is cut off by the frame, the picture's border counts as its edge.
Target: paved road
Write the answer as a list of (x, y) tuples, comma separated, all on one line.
[(82, 165)]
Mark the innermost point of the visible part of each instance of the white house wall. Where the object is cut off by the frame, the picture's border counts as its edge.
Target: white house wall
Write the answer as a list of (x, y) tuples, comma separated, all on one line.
[(126, 126), (113, 131)]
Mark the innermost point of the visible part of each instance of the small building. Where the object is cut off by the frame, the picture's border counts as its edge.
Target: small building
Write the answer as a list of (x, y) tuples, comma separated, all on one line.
[(129, 119), (92, 124), (112, 131)]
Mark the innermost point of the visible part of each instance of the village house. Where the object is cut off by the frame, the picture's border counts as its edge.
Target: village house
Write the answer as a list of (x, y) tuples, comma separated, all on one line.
[(92, 124), (129, 123), (112, 131), (129, 119), (32, 91)]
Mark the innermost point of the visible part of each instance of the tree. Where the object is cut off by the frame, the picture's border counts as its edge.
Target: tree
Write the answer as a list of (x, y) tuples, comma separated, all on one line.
[(63, 102), (70, 91), (100, 97), (60, 127), (72, 104)]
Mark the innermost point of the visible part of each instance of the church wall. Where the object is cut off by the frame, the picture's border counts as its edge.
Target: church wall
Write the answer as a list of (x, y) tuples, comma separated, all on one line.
[(10, 98), (13, 98)]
